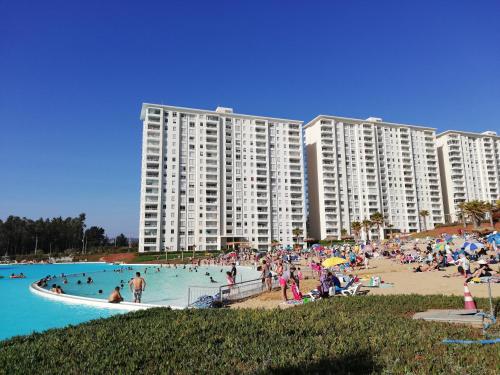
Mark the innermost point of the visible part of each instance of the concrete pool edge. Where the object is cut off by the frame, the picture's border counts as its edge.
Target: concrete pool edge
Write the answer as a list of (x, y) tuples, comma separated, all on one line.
[(93, 302)]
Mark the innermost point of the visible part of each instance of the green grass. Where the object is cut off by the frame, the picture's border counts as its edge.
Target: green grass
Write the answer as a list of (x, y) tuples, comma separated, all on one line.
[(366, 334)]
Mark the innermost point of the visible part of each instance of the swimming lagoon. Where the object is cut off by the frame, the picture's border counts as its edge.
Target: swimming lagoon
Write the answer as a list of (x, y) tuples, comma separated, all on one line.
[(24, 312)]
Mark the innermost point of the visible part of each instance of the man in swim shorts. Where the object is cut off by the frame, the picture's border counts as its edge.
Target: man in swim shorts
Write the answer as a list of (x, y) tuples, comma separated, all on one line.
[(115, 296), (137, 286)]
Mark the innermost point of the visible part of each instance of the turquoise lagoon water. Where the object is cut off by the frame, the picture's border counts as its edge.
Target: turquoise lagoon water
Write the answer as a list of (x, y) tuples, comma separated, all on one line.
[(24, 312)]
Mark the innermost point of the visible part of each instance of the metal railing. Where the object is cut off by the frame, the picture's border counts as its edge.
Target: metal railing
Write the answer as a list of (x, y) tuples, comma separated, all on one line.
[(230, 293)]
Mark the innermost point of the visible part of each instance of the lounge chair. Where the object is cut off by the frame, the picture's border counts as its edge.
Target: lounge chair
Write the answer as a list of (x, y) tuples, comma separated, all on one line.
[(335, 291), (351, 291)]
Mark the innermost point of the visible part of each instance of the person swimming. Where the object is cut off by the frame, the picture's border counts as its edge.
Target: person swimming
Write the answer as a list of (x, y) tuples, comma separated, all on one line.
[(212, 280)]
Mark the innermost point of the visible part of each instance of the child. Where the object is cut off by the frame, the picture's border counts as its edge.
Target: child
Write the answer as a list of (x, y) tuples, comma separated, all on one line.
[(297, 295)]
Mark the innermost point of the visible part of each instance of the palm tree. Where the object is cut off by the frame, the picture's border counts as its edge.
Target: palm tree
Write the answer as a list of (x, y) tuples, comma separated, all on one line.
[(377, 219), (390, 226), (489, 208), (475, 210), (274, 243), (297, 232), (424, 214), (367, 224), (461, 207), (356, 228)]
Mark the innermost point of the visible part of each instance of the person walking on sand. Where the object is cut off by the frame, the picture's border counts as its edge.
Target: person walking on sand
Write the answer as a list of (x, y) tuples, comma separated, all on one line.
[(266, 275), (137, 286)]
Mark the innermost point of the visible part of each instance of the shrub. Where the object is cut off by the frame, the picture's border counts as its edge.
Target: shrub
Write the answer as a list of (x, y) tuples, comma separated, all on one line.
[(363, 334)]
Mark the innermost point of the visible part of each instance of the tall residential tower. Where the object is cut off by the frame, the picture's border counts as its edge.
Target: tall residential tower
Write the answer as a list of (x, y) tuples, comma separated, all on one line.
[(359, 167), (470, 168), (214, 177)]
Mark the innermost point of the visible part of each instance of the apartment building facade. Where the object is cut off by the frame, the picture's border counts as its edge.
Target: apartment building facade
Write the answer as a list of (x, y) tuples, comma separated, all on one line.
[(470, 168), (358, 167), (210, 178)]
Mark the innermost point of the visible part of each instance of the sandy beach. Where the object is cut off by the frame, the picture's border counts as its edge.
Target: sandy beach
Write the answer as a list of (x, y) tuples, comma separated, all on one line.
[(402, 278)]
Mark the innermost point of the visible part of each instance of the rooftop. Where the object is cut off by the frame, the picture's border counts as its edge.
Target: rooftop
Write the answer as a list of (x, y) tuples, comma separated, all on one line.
[(487, 133), (224, 111), (369, 120)]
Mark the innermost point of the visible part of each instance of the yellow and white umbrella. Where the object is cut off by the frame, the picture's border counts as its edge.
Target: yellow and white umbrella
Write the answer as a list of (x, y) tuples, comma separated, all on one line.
[(334, 261)]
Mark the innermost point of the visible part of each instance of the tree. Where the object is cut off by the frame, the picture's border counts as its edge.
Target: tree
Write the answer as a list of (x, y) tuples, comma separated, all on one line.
[(475, 210), (121, 240), (367, 225), (377, 219), (489, 208), (424, 214), (297, 232), (390, 226), (94, 237), (356, 228), (20, 236), (461, 212), (343, 232)]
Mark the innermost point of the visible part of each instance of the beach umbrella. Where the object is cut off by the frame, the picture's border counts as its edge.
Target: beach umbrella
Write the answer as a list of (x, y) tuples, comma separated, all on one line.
[(439, 246), (494, 237), (439, 240), (472, 247), (448, 238), (335, 261)]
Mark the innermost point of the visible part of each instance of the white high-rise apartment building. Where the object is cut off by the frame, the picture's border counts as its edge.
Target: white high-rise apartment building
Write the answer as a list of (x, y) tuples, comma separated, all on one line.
[(470, 168), (213, 177), (359, 167)]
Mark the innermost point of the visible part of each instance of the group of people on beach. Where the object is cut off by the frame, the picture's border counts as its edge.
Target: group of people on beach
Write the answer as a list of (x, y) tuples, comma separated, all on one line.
[(435, 258)]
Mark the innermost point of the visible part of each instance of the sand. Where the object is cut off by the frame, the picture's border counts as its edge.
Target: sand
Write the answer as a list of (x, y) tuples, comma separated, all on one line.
[(403, 281)]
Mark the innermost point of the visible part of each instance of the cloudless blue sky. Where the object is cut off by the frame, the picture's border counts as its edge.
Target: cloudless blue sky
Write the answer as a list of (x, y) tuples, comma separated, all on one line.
[(73, 76)]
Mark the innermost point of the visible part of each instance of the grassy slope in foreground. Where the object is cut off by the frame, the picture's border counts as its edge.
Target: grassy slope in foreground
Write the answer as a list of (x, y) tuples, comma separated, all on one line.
[(359, 335)]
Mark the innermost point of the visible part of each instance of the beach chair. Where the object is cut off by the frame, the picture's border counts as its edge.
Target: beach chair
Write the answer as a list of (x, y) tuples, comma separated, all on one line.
[(351, 291), (336, 291)]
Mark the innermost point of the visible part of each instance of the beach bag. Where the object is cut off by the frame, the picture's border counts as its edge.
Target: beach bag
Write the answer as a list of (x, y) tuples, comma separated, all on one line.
[(375, 281)]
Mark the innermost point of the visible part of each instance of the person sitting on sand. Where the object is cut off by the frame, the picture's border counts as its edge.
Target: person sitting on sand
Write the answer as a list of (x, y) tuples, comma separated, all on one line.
[(421, 268), (115, 296), (463, 265), (482, 271)]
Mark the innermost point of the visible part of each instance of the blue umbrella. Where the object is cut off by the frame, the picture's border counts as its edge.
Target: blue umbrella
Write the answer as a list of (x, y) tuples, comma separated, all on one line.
[(494, 238), (472, 247)]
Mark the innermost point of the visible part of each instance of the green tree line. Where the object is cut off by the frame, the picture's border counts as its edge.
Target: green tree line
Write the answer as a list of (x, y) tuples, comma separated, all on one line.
[(20, 235)]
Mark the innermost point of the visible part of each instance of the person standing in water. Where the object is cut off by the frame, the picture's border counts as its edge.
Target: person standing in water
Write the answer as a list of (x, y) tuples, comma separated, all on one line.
[(137, 286)]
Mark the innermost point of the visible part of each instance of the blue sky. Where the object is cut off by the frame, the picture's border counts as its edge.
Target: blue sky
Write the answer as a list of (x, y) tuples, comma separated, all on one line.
[(73, 76)]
